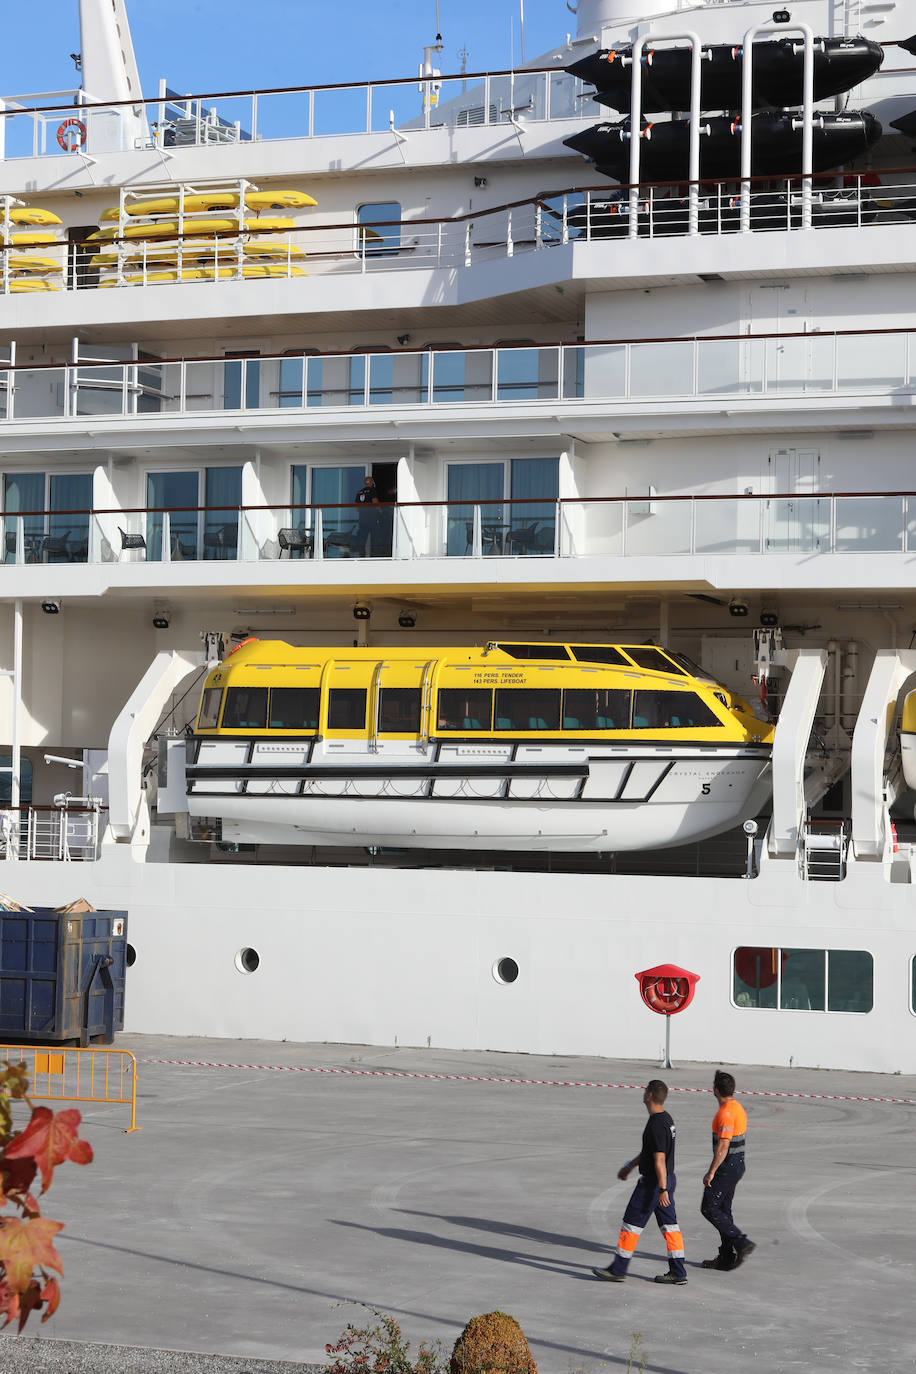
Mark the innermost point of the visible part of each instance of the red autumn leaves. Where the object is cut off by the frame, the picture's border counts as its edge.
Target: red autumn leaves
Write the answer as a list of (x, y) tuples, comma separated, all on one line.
[(27, 1249)]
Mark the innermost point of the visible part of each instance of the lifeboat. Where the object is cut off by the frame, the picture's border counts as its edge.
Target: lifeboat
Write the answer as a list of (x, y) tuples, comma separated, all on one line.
[(908, 739), (839, 64), (577, 747), (906, 124), (776, 145), (212, 200)]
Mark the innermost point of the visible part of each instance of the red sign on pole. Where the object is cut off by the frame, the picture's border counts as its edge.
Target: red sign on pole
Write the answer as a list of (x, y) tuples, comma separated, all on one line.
[(667, 989)]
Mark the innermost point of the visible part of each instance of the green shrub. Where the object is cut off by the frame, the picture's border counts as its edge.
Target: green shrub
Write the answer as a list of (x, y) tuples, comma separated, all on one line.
[(492, 1344)]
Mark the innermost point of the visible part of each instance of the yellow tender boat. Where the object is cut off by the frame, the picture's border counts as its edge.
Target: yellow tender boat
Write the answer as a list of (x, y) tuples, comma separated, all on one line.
[(197, 250), (508, 746), (28, 214), (168, 229), (250, 271), (26, 262), (213, 200)]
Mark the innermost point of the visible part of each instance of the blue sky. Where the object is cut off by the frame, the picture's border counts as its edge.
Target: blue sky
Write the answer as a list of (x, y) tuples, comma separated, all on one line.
[(214, 45)]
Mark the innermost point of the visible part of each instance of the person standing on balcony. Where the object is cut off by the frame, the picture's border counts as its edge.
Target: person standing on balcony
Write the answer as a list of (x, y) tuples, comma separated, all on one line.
[(654, 1193), (729, 1131), (367, 499)]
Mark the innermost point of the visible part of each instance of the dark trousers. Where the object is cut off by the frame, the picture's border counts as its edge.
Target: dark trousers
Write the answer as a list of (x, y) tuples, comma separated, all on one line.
[(642, 1205), (716, 1207)]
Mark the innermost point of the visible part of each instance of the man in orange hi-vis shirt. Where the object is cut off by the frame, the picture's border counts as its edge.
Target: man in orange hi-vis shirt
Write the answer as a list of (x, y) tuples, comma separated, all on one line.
[(654, 1193), (729, 1131)]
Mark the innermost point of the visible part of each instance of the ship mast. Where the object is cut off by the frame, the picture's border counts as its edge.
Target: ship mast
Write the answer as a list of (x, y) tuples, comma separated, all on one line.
[(109, 66)]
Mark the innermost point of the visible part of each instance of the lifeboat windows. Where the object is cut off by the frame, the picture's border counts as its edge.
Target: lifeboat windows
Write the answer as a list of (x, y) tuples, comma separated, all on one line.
[(654, 660), (527, 708), (672, 711), (209, 708), (548, 651), (245, 709), (347, 708), (600, 653), (461, 708), (584, 709), (399, 711), (294, 708)]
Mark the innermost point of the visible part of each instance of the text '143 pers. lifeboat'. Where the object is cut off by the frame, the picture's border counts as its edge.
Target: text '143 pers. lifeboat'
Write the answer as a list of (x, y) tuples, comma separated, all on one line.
[(578, 747)]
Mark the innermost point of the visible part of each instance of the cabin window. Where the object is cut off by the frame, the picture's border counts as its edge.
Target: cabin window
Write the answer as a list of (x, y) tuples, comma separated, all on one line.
[(604, 709), (600, 653), (672, 711), (379, 229), (535, 651), (527, 708), (294, 708), (209, 708), (347, 708), (655, 660), (399, 710), (804, 979), (461, 708), (245, 709)]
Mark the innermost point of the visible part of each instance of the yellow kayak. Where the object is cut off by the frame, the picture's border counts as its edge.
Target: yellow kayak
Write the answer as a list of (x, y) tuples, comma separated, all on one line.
[(249, 270), (167, 229), (197, 250), (213, 200), (26, 214), (35, 238), (33, 284), (23, 262)]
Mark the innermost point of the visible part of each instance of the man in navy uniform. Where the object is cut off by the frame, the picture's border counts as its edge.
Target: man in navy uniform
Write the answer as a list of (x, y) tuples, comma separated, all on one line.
[(654, 1193)]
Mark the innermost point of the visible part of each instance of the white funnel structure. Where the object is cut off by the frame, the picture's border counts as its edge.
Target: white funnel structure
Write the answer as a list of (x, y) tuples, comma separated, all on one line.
[(592, 15), (109, 72)]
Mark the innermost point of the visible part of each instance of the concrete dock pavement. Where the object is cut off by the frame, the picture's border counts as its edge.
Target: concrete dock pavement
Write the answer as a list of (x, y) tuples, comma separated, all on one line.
[(273, 1187)]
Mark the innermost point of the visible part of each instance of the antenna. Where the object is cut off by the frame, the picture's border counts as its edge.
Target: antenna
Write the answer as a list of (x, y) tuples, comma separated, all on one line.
[(521, 21)]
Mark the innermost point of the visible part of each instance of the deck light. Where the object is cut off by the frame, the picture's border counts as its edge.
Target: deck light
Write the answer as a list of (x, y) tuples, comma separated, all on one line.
[(361, 611), (406, 620), (768, 619), (737, 607), (51, 607), (160, 621)]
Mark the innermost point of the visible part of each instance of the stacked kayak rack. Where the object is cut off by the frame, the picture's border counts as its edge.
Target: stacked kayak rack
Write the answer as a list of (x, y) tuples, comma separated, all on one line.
[(33, 255), (777, 131), (195, 233)]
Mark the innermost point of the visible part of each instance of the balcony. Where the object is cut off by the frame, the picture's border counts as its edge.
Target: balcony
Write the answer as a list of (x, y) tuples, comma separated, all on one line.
[(296, 542), (743, 372)]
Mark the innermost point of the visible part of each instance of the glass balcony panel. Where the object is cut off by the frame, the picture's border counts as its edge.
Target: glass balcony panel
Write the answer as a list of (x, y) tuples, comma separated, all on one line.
[(404, 101), (797, 366), (664, 530), (573, 363), (340, 112), (529, 95), (200, 385), (461, 376), (595, 528), (526, 374), (721, 367), (100, 390), (910, 510), (336, 381), (284, 115), (796, 525), (875, 360), (661, 369), (564, 93), (727, 526), (604, 371), (870, 524), (40, 393)]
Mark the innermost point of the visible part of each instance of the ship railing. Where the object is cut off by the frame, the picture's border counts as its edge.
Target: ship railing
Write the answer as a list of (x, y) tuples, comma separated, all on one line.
[(31, 126), (638, 525), (727, 368), (65, 833)]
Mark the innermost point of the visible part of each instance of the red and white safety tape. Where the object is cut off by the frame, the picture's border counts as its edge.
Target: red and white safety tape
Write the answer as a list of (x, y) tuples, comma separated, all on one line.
[(521, 1082)]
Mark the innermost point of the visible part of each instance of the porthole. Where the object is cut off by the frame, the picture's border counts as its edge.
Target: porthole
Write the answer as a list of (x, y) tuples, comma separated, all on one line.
[(130, 955), (247, 960), (505, 970)]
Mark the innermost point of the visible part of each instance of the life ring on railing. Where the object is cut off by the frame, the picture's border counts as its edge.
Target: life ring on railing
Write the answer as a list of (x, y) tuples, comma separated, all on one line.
[(252, 639), (895, 846), (71, 135)]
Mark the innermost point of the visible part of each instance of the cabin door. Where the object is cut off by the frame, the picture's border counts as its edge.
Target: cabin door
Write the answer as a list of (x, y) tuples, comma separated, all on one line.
[(796, 517)]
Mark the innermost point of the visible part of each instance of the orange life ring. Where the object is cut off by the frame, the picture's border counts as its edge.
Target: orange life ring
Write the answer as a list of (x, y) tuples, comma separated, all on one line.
[(666, 995), (71, 135)]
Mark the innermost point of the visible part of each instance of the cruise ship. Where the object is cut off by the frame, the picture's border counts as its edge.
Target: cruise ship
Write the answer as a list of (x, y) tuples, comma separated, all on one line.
[(458, 537)]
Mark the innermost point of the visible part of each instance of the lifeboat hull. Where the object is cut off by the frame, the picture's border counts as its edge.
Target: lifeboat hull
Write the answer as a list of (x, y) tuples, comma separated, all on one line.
[(839, 65), (634, 798)]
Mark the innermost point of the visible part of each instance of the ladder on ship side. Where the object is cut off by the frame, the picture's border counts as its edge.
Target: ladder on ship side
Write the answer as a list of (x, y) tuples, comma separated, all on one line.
[(825, 845)]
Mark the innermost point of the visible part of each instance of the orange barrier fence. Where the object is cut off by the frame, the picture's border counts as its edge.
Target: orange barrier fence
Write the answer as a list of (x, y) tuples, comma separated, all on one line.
[(59, 1073)]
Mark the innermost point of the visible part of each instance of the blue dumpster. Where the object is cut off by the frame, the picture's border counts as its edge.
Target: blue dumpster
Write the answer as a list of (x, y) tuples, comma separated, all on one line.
[(62, 975)]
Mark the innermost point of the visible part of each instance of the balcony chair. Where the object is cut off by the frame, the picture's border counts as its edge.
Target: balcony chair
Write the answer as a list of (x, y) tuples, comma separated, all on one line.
[(347, 540), (56, 547), (537, 537), (131, 541), (298, 542)]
